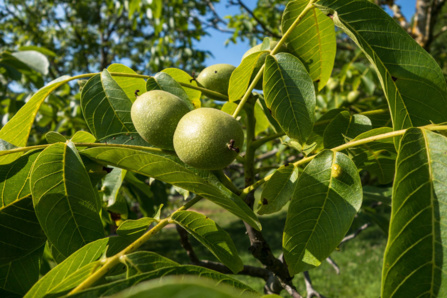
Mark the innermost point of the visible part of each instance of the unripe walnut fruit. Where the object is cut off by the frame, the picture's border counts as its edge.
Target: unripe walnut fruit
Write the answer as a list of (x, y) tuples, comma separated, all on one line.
[(155, 115), (216, 78), (208, 139)]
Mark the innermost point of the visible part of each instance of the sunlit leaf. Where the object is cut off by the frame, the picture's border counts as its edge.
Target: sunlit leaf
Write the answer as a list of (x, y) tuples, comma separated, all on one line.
[(241, 76), (313, 40), (146, 261), (54, 137), (415, 257), (326, 199), (16, 131), (130, 85), (34, 59), (183, 77), (105, 106), (77, 267), (290, 95), (412, 81), (168, 84), (134, 227)]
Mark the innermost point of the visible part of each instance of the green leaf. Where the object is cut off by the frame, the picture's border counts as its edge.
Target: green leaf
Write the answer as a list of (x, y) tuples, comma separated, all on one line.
[(152, 84), (128, 138), (129, 85), (77, 267), (112, 184), (14, 179), (16, 131), (66, 204), (415, 257), (278, 190), (185, 287), (168, 168), (378, 158), (145, 261), (183, 77), (44, 51), (34, 60), (168, 84), (345, 127), (105, 106), (163, 273), (207, 232), (134, 227), (313, 40), (54, 137), (83, 137), (24, 234), (326, 199), (412, 81), (262, 122), (290, 95), (59, 274), (20, 275), (242, 75)]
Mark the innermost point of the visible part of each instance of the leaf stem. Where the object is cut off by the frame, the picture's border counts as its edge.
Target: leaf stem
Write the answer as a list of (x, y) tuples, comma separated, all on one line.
[(275, 50), (350, 144), (186, 85), (23, 149)]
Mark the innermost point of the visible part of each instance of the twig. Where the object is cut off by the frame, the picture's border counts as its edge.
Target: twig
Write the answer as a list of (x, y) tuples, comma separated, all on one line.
[(263, 26), (216, 15), (311, 292), (356, 233), (267, 155), (333, 264)]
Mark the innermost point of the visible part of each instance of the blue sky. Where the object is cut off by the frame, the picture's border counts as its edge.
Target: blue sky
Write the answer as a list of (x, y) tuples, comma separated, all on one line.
[(232, 53)]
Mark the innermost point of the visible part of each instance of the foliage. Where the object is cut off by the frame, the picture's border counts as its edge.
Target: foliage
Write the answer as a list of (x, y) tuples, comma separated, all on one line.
[(78, 203)]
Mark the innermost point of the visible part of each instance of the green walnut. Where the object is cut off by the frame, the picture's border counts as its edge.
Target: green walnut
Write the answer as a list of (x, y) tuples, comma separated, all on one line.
[(208, 139), (155, 115), (261, 59), (217, 78)]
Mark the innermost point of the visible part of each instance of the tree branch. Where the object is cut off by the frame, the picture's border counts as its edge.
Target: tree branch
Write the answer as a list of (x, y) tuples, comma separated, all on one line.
[(260, 23), (356, 233)]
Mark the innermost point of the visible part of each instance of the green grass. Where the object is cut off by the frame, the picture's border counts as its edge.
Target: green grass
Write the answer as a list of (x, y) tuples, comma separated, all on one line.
[(360, 260)]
